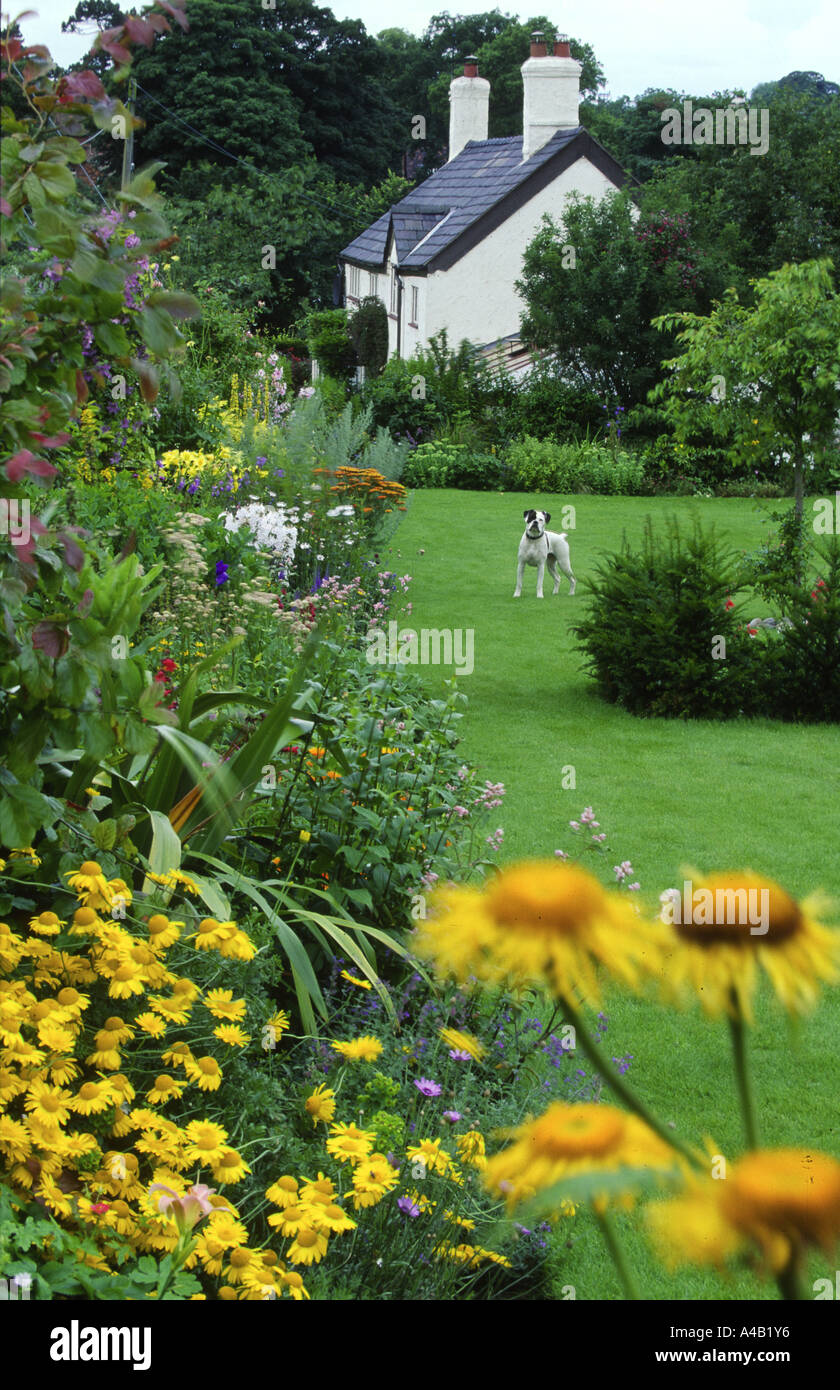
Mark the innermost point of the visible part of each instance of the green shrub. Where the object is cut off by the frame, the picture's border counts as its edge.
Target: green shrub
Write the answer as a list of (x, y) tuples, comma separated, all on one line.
[(655, 625), (540, 465), (444, 463), (369, 335), (329, 343)]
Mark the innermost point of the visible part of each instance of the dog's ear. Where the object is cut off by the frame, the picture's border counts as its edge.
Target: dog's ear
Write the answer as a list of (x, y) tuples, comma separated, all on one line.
[(547, 516), (526, 513)]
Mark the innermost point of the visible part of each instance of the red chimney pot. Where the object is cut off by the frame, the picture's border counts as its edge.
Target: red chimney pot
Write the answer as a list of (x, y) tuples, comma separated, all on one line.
[(561, 46), (471, 66), (539, 48)]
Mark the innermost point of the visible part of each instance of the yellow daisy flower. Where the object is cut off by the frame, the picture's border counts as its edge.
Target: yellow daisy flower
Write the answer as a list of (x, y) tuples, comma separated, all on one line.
[(718, 960), (348, 1143), (88, 880), (229, 1168), (308, 1247), (320, 1105), (163, 933), (205, 1072), (284, 1192), (222, 1004), (545, 921), (463, 1042), (232, 1035), (93, 1098), (365, 1049), (354, 980), (46, 924), (573, 1139), (164, 1088)]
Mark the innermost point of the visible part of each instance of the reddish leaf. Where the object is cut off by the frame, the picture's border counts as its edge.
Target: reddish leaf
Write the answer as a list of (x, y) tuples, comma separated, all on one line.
[(52, 639), (51, 441), (159, 22), (73, 554), (11, 50), (148, 379), (5, 208), (80, 86), (82, 392), (84, 605), (25, 462), (139, 30), (107, 39), (177, 15)]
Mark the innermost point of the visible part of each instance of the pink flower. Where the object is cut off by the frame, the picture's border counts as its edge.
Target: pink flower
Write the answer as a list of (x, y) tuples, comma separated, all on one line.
[(189, 1209)]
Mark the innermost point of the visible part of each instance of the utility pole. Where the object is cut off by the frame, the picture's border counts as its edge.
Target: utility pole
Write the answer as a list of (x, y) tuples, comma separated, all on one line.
[(128, 148)]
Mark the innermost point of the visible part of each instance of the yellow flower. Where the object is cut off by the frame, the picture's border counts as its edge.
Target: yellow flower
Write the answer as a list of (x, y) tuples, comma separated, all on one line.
[(222, 1004), (362, 984), (88, 881), (205, 1072), (348, 1144), (150, 1024), (432, 1157), (232, 1035), (305, 837), (207, 1141), (463, 1042), (365, 1049), (542, 921), (93, 1098), (331, 1219), (164, 1088), (46, 924), (783, 1200), (284, 1192), (471, 1150), (229, 1168), (569, 1140), (126, 980), (373, 1179), (308, 1247), (321, 1104), (752, 923), (50, 1105), (162, 932)]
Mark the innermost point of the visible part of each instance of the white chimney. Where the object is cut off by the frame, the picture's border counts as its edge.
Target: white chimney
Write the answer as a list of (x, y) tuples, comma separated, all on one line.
[(469, 103), (552, 93)]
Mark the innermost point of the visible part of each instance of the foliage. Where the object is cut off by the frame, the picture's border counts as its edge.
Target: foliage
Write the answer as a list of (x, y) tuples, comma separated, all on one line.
[(330, 343), (369, 335), (539, 465), (767, 375), (653, 631), (592, 286), (445, 463)]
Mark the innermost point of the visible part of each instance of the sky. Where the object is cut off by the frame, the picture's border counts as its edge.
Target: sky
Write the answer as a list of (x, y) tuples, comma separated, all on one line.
[(716, 45)]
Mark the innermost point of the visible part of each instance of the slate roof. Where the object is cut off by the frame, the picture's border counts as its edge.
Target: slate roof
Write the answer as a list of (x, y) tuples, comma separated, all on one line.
[(469, 197)]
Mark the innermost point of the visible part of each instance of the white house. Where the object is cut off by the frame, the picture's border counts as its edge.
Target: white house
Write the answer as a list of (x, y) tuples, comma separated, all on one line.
[(449, 254)]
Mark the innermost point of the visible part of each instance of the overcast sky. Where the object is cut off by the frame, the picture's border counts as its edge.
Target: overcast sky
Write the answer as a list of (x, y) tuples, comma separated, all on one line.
[(703, 47)]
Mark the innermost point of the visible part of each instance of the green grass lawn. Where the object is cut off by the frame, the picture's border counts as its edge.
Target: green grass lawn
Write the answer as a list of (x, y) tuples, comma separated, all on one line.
[(668, 793)]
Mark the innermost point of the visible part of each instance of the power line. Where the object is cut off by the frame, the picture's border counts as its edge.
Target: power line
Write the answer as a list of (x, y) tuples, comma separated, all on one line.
[(214, 145)]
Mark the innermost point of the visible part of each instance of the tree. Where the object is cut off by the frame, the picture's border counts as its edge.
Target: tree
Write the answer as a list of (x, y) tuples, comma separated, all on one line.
[(592, 287), (770, 373), (369, 335)]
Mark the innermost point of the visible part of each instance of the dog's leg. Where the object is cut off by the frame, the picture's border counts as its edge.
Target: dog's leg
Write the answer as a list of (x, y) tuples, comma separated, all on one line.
[(555, 574), (567, 570), (540, 573), (520, 570)]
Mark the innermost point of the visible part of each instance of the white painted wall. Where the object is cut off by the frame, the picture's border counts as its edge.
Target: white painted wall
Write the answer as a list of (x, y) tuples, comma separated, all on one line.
[(476, 299)]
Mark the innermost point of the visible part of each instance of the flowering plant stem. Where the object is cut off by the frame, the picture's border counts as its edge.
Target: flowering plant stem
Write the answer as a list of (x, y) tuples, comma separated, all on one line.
[(738, 1033), (619, 1085), (618, 1253)]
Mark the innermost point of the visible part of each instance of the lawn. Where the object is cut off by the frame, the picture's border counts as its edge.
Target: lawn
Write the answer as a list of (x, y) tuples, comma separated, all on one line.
[(668, 793)]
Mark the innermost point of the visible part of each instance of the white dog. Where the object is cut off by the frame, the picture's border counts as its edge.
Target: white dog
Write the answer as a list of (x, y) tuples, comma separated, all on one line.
[(540, 547)]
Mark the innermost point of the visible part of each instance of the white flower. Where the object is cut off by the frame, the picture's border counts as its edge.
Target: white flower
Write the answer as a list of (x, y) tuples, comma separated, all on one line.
[(270, 527)]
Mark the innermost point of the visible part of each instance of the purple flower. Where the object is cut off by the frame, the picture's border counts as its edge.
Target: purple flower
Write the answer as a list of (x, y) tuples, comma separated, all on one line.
[(221, 572), (458, 1055), (427, 1087), (406, 1205), (452, 1116)]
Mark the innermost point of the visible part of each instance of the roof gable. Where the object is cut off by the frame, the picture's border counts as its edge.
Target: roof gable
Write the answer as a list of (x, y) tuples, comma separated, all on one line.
[(446, 216)]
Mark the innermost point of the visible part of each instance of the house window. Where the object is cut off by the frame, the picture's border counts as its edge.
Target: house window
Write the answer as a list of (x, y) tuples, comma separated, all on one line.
[(394, 289), (353, 281), (415, 305), (374, 284)]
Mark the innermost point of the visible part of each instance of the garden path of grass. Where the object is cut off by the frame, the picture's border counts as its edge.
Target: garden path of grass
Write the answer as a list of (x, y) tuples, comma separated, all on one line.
[(753, 794)]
